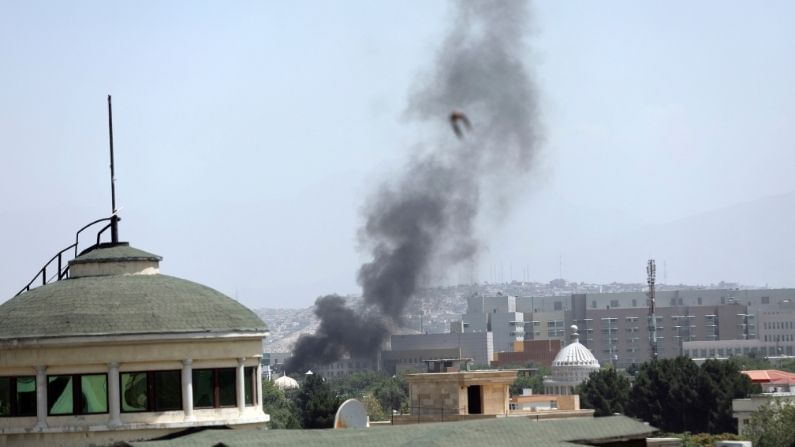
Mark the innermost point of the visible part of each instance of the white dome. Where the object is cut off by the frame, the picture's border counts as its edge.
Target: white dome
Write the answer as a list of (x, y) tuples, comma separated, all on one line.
[(285, 383), (575, 354), (572, 366)]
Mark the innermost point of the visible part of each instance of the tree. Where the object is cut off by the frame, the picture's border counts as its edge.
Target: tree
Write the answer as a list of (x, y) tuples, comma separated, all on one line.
[(772, 425), (392, 393), (606, 391), (787, 365), (356, 385), (726, 382), (317, 403), (282, 409), (534, 381), (676, 395), (752, 361), (374, 410), (665, 395)]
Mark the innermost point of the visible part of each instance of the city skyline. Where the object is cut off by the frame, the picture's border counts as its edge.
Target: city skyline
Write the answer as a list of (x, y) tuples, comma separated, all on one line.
[(247, 145)]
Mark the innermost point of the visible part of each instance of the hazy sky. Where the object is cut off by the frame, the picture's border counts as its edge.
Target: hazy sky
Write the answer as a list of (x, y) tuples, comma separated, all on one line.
[(249, 134)]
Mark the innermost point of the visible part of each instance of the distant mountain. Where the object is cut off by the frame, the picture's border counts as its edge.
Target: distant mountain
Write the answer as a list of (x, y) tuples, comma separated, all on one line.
[(749, 243)]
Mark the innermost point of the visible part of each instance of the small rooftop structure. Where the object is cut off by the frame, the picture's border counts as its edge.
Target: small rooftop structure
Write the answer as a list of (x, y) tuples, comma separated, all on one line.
[(457, 395), (772, 380)]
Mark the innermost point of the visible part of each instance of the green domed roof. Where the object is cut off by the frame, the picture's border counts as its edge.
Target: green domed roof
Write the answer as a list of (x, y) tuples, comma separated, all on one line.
[(123, 304)]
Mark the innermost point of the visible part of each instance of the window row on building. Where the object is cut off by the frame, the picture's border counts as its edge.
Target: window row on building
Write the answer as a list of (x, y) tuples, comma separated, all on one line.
[(141, 391), (728, 352), (780, 325), (780, 337)]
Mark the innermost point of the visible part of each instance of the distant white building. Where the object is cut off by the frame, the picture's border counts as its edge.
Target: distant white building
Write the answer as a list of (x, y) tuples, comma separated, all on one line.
[(571, 367)]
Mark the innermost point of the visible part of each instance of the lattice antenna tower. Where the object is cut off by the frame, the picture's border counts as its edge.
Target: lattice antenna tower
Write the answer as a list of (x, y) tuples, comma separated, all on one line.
[(651, 274)]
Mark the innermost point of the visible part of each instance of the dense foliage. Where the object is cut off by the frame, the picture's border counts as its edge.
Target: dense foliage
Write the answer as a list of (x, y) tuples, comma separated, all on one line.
[(535, 381), (317, 403), (390, 392), (703, 439), (755, 361), (676, 395), (606, 391), (772, 425), (281, 408)]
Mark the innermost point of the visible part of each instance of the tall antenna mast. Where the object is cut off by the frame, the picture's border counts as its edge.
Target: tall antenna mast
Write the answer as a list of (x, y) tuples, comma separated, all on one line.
[(114, 218), (651, 273)]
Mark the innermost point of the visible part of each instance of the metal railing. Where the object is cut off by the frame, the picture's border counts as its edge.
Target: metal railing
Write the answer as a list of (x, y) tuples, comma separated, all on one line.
[(62, 269)]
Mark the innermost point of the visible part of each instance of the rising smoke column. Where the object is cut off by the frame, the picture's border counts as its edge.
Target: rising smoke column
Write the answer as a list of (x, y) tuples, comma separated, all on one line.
[(424, 220)]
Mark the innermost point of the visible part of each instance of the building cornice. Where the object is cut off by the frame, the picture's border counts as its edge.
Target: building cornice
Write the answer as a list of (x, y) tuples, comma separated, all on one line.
[(116, 339)]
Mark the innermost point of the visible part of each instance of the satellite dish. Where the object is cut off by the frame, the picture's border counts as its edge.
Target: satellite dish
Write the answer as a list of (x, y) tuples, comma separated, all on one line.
[(351, 414)]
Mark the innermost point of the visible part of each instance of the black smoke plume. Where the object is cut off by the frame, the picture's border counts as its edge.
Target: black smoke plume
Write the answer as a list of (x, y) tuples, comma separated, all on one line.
[(423, 222)]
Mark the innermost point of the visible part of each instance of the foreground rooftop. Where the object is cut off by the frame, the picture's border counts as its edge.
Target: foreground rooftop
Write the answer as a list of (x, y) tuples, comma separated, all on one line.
[(491, 432)]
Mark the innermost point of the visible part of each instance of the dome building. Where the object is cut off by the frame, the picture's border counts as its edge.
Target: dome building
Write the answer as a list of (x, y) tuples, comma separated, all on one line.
[(115, 351), (572, 366), (286, 383)]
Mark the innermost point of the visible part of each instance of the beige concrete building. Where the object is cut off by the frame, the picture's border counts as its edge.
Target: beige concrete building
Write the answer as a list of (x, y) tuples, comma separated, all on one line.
[(457, 395), (116, 351), (546, 406)]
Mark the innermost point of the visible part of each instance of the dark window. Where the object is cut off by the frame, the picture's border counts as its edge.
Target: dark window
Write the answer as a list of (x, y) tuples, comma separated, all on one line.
[(226, 387), (250, 374), (77, 394), (151, 391), (168, 390), (213, 388), (765, 300), (18, 396), (558, 305)]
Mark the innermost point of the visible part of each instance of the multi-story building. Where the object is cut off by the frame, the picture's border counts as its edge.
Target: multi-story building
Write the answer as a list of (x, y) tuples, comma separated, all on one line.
[(498, 315), (615, 326), (416, 348), (775, 336), (346, 366)]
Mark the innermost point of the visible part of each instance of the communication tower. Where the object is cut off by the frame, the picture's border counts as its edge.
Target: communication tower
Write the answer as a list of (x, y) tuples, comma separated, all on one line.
[(651, 273)]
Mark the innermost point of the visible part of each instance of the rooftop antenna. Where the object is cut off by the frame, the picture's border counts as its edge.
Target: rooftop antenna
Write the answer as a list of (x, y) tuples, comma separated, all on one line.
[(114, 219), (651, 273)]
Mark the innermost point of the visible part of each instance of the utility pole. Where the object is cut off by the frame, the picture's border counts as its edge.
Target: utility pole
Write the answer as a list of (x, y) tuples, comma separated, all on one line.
[(114, 218)]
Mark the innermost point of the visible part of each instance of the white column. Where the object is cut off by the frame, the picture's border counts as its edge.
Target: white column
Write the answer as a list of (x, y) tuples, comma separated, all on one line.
[(41, 397), (258, 400), (114, 392), (241, 384), (187, 388)]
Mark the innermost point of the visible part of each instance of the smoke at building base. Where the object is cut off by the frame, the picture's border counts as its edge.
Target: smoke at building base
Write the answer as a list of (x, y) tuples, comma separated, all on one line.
[(424, 219)]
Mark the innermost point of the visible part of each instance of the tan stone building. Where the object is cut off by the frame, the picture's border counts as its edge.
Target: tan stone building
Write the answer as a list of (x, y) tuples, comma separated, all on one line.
[(455, 395), (116, 351)]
